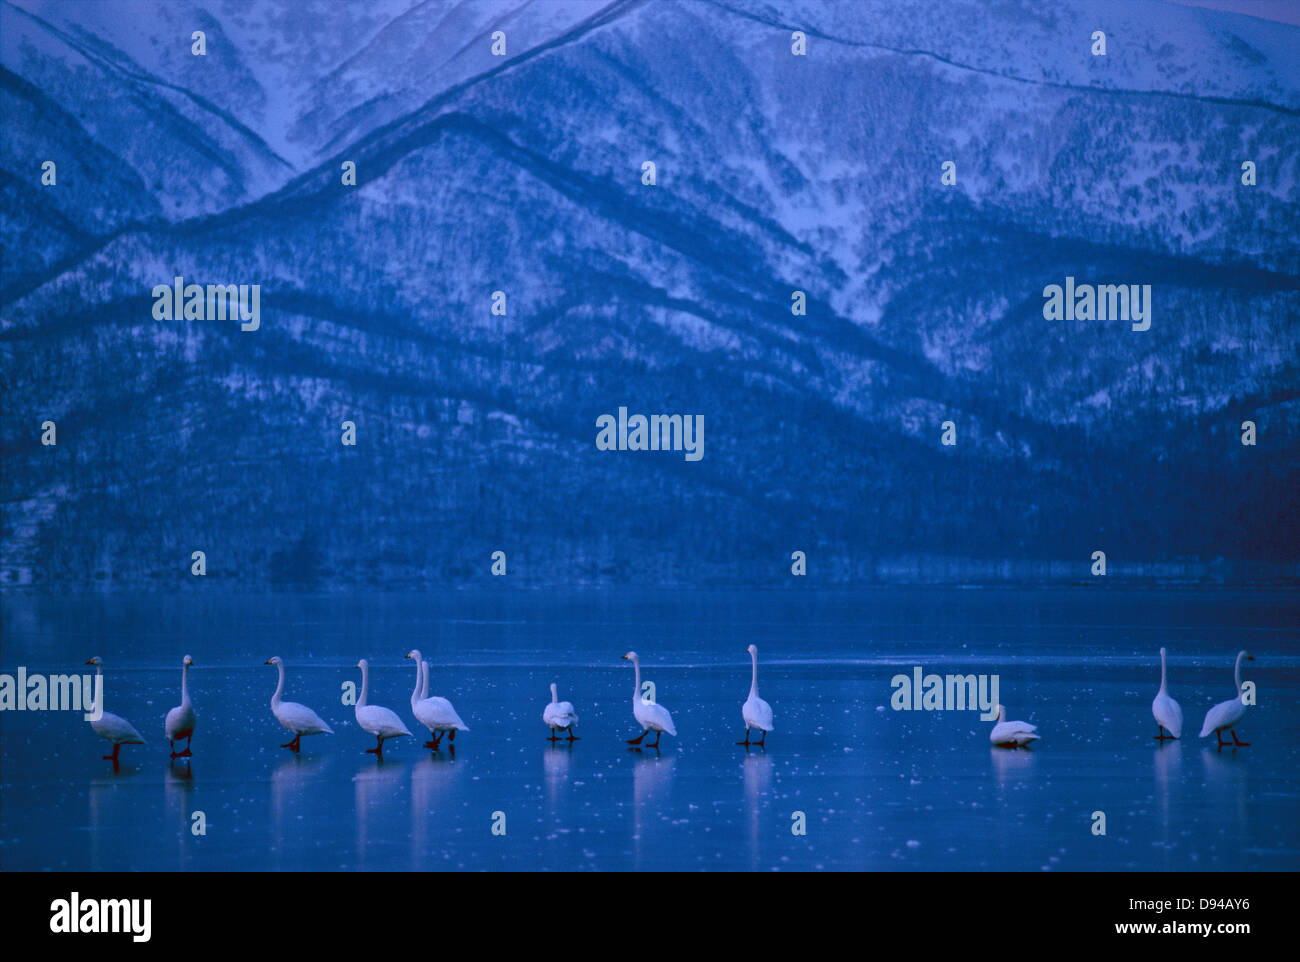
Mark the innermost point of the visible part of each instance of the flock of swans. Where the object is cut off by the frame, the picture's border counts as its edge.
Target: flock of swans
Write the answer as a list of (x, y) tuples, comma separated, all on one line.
[(439, 716), (432, 711)]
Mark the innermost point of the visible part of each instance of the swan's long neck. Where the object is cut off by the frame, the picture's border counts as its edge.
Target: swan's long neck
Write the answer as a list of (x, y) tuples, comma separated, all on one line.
[(554, 694), (1162, 671), (185, 684), (419, 679), (279, 689), (636, 680), (753, 684), (365, 686), (424, 679), (99, 686), (1236, 673)]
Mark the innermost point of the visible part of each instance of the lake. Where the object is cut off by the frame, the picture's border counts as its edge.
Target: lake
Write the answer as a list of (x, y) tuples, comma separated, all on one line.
[(876, 788)]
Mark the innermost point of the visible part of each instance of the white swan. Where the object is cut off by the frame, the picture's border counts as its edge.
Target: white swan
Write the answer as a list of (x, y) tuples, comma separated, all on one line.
[(1012, 734), (299, 719), (1227, 713), (1167, 712), (180, 720), (380, 722), (756, 712), (560, 714), (114, 728), (434, 713), (650, 715)]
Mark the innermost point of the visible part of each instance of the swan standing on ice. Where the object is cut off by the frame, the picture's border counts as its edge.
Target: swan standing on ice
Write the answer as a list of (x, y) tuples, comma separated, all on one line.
[(299, 719), (434, 713), (1012, 734), (1227, 713), (756, 712), (1166, 711), (560, 714), (114, 728), (180, 720), (380, 722), (649, 715)]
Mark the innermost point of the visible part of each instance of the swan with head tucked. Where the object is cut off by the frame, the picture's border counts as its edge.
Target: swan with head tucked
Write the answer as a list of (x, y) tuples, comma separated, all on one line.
[(180, 720), (113, 728), (1167, 712), (299, 719), (650, 715), (433, 712), (1012, 734), (560, 714), (379, 721), (1226, 714), (756, 712)]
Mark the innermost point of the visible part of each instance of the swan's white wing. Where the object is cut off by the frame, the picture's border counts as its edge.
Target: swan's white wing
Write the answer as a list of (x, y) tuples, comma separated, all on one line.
[(560, 714), (300, 719), (1222, 715), (179, 721), (1168, 714), (1012, 731), (116, 729), (380, 721), (660, 719), (757, 714), (436, 713)]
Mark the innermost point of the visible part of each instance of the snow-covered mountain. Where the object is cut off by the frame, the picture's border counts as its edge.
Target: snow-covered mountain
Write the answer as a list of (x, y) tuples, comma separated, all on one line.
[(522, 173)]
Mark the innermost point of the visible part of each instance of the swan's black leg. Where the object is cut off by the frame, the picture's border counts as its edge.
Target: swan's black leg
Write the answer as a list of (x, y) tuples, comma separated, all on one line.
[(746, 741), (1161, 736), (451, 737), (113, 757), (295, 744), (637, 740), (762, 742), (572, 737), (1234, 739), (552, 738), (658, 735), (379, 747)]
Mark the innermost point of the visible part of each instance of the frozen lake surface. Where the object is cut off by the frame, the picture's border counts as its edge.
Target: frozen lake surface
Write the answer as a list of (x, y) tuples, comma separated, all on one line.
[(879, 789)]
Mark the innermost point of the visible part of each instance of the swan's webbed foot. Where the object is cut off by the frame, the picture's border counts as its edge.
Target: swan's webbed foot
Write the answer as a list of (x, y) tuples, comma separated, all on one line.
[(378, 749), (295, 744), (639, 738), (1235, 743), (181, 754), (762, 742), (572, 737), (658, 735), (552, 738), (746, 741)]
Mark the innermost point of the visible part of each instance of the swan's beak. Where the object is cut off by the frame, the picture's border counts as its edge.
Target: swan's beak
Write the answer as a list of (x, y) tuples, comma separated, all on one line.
[(1250, 657), (267, 662), (407, 655), (624, 657), (90, 661)]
